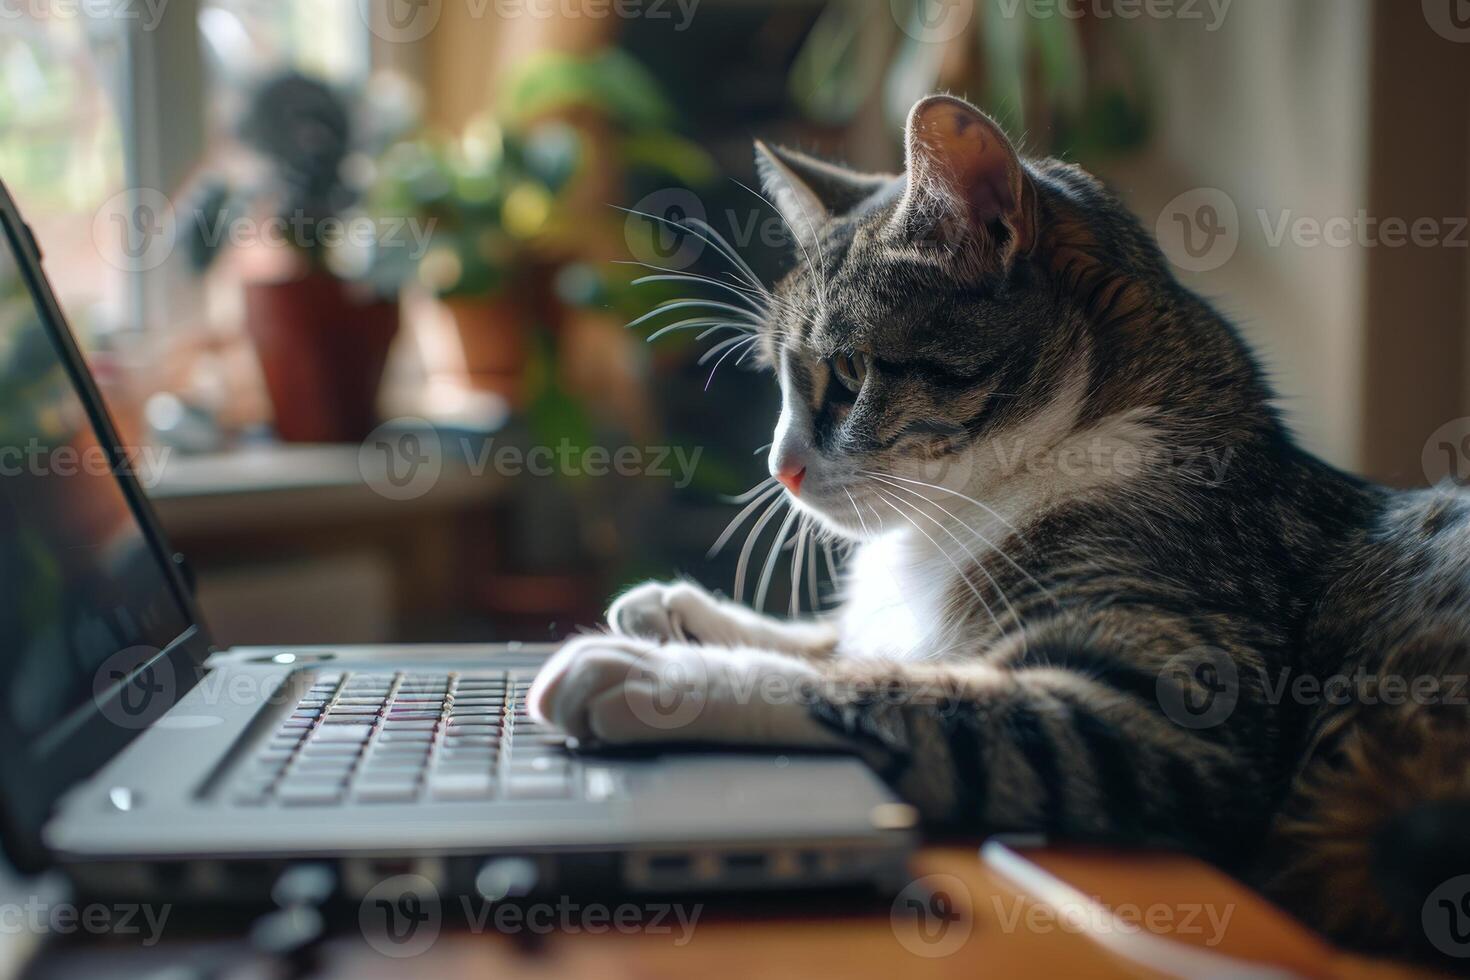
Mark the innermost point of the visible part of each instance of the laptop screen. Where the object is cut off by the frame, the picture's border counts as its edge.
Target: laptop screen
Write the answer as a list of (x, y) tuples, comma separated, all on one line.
[(84, 600)]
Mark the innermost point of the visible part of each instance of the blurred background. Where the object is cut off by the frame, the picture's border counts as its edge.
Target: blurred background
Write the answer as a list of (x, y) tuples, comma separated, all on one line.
[(355, 270)]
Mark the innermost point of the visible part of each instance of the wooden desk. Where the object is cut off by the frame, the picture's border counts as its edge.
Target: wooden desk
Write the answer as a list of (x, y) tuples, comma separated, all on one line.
[(1000, 913)]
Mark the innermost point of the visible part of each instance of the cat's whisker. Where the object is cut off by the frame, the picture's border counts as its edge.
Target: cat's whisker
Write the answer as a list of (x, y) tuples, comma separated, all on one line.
[(761, 497), (889, 499), (935, 486), (694, 322), (739, 341), (763, 587), (798, 556), (746, 353), (755, 491), (754, 300), (742, 564), (987, 542), (1011, 561), (723, 246), (717, 328), (811, 569), (857, 513), (681, 225), (739, 313), (818, 280), (714, 351), (831, 563), (973, 557)]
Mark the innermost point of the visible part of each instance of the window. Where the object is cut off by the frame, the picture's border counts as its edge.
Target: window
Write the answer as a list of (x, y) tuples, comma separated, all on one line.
[(62, 151), (91, 106)]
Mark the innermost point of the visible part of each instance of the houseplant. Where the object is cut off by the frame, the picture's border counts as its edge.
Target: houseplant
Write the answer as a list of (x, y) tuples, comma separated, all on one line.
[(320, 303), (525, 189), (484, 197)]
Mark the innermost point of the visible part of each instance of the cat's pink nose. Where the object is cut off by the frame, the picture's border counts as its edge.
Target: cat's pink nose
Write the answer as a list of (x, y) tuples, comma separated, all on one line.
[(791, 477)]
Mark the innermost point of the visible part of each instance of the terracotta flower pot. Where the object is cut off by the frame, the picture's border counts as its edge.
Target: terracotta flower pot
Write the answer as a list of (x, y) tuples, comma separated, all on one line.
[(322, 347), (493, 334)]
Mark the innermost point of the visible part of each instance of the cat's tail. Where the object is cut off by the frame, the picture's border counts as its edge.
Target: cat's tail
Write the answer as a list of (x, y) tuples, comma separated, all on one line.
[(1373, 846)]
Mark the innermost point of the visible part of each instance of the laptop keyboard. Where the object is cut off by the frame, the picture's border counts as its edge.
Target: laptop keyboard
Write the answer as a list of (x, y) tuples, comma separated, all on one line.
[(407, 736)]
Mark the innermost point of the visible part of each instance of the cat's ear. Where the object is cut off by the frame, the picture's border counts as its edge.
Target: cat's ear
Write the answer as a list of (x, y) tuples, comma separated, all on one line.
[(808, 192), (966, 186)]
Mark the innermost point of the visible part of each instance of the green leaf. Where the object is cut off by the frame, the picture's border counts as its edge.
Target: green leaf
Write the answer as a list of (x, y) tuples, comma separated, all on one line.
[(683, 160), (611, 81), (1003, 41), (829, 81), (1058, 45)]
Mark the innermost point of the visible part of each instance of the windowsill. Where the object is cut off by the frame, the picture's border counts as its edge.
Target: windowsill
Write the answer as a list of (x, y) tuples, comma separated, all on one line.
[(274, 487)]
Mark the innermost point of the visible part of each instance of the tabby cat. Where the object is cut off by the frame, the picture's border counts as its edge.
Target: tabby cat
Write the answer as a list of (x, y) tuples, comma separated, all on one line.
[(1097, 591)]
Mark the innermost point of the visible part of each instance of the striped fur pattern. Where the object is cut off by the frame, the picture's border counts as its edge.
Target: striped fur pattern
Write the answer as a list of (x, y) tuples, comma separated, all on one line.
[(1088, 553)]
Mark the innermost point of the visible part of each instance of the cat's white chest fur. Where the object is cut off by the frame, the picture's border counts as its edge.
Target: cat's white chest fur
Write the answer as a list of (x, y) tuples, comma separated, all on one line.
[(894, 602)]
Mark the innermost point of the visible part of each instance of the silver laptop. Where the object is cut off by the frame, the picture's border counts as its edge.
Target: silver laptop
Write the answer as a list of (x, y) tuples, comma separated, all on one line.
[(144, 760)]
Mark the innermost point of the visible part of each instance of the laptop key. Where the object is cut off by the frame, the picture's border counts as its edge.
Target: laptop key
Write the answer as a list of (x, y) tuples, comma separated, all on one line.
[(344, 733), (389, 774), (324, 764), (462, 741), (374, 793), (309, 795), (317, 746), (460, 786), (471, 726), (410, 735), (538, 787)]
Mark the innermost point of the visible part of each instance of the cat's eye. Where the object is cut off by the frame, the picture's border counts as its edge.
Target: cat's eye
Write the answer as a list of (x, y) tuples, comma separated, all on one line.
[(851, 370)]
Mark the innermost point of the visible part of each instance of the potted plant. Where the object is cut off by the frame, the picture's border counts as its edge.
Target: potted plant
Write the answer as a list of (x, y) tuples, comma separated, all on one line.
[(525, 190), (484, 202), (322, 309)]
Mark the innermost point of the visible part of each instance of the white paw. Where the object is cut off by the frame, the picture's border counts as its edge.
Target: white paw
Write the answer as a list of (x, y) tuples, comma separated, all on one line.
[(621, 690), (676, 612)]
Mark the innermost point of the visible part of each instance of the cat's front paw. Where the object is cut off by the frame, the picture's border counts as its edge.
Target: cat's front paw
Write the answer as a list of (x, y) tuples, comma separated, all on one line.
[(673, 612), (623, 690)]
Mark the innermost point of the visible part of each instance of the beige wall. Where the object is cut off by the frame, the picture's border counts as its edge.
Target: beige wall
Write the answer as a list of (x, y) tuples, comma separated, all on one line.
[(1271, 108), (461, 59), (1316, 109)]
